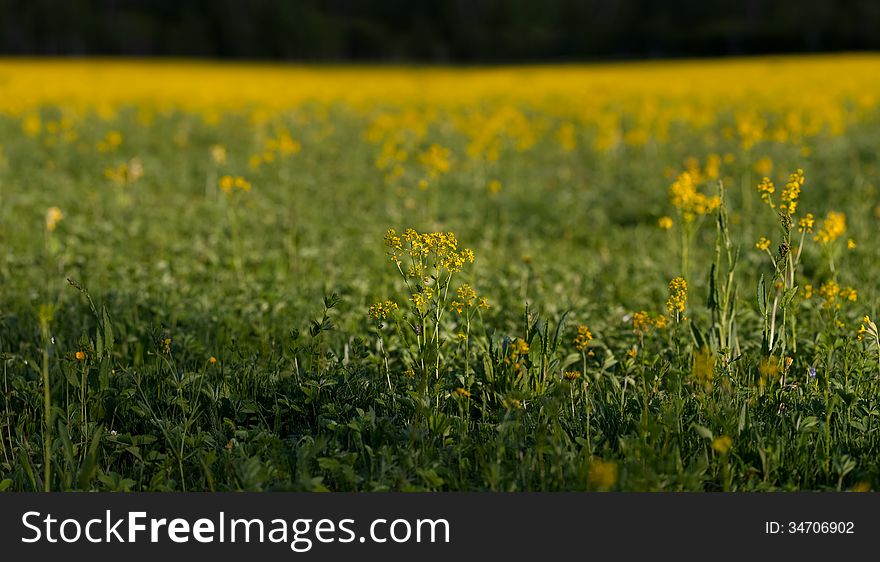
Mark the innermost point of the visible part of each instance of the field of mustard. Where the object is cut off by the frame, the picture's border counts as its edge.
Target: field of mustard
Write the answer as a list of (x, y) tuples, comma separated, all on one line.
[(637, 276)]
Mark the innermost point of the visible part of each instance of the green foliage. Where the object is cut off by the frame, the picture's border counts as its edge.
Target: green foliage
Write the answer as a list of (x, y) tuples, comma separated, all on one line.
[(225, 342)]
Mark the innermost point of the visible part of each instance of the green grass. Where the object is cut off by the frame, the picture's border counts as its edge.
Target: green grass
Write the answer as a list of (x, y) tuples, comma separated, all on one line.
[(300, 398)]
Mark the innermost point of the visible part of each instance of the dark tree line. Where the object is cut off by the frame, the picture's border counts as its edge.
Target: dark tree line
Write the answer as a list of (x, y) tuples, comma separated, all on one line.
[(435, 30)]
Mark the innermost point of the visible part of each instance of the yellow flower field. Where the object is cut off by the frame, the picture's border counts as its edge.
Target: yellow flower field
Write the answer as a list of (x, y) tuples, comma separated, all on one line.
[(617, 276)]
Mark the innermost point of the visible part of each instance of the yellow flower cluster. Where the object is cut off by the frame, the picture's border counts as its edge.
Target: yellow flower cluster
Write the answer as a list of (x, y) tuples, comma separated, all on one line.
[(381, 310), (423, 299), (643, 322), (834, 295), (53, 217), (433, 250), (228, 184), (110, 142), (762, 244), (281, 146), (703, 368), (461, 393), (683, 194), (766, 189), (603, 474), (665, 223), (583, 339), (806, 223), (677, 300), (218, 154), (520, 347), (791, 192), (870, 328), (126, 173), (436, 160), (833, 227), (722, 444), (467, 296)]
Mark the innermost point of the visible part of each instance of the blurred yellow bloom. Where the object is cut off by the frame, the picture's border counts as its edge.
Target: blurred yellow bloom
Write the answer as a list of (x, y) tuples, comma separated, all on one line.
[(722, 444), (583, 339), (53, 217), (602, 474), (832, 228), (218, 154)]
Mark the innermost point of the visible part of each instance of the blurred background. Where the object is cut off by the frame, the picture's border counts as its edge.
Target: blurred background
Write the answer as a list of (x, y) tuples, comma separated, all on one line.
[(454, 31)]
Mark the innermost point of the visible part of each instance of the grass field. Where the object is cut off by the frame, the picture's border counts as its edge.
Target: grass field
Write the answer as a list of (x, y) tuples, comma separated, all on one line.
[(253, 277)]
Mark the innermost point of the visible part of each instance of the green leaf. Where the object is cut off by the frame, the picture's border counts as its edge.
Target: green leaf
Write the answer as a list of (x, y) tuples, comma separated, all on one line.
[(712, 301), (108, 330), (703, 431), (699, 338), (762, 296), (788, 296)]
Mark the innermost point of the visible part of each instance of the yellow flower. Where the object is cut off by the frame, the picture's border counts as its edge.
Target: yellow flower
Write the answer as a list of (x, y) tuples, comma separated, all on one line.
[(722, 444), (849, 294), (766, 189), (762, 244), (226, 183), (381, 310), (494, 186), (806, 223), (461, 393), (862, 486), (583, 339), (603, 474), (80, 356), (791, 192), (851, 244), (833, 227), (423, 298), (212, 360), (768, 368), (764, 166), (435, 160), (677, 300), (684, 196), (642, 323), (230, 183), (829, 292), (218, 154), (167, 343), (520, 347), (467, 294), (111, 142), (665, 223), (808, 291), (571, 375), (53, 217), (870, 328), (512, 404), (704, 367)]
